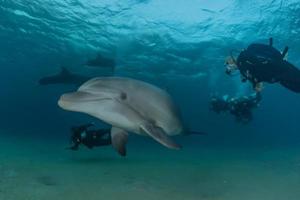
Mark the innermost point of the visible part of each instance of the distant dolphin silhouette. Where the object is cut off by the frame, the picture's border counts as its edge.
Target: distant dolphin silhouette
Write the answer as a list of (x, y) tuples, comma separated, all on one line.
[(101, 62), (64, 77), (129, 106)]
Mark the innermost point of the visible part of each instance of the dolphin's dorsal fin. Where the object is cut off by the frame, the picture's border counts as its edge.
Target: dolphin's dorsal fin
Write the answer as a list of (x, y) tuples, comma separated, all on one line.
[(159, 135), (285, 53), (99, 56), (271, 42), (119, 140), (64, 71)]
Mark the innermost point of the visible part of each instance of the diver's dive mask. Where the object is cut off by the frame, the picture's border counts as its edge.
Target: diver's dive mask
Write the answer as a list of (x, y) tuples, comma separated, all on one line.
[(230, 64)]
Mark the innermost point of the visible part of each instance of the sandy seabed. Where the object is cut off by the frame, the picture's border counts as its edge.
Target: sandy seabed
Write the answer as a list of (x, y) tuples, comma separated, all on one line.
[(43, 170)]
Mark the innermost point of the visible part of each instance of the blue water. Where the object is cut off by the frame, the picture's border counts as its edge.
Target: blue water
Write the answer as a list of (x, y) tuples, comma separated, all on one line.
[(179, 46)]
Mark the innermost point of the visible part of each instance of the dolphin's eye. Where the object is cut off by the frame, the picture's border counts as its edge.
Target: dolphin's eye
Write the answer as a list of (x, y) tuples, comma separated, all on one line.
[(123, 96)]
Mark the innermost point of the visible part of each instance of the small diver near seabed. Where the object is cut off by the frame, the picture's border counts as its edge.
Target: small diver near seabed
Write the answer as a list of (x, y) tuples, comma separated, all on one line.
[(64, 77), (263, 63), (84, 135), (241, 107), (90, 138)]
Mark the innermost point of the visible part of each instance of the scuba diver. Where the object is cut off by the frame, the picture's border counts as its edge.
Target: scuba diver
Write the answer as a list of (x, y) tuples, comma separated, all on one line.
[(263, 63), (90, 138), (240, 107), (218, 104)]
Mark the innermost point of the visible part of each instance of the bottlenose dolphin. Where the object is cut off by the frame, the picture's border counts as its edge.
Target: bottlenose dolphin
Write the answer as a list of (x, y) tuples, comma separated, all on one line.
[(64, 77), (129, 106), (101, 62)]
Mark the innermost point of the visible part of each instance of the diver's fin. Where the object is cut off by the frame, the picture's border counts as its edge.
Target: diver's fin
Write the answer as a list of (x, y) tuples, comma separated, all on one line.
[(291, 86), (119, 139), (271, 42), (159, 135), (284, 53)]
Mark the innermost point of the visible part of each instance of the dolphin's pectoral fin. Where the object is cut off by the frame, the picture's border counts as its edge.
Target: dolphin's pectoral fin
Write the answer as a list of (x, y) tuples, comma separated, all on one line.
[(119, 139), (159, 135)]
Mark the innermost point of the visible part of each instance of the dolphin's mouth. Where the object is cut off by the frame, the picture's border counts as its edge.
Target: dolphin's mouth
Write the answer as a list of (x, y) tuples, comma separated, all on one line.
[(75, 98)]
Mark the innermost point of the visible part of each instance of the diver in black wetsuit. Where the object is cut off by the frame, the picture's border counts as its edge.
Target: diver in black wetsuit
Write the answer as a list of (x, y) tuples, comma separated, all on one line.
[(240, 107), (89, 138), (263, 63)]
